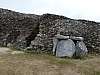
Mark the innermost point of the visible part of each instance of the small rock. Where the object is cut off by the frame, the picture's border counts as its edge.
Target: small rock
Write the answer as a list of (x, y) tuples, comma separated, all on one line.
[(17, 52)]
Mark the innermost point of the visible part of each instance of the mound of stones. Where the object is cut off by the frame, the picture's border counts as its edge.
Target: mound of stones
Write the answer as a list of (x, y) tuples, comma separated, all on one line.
[(17, 29), (25, 31), (51, 25)]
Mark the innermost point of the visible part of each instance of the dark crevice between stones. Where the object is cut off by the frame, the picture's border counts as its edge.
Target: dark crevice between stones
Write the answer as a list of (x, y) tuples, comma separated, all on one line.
[(32, 36), (75, 41)]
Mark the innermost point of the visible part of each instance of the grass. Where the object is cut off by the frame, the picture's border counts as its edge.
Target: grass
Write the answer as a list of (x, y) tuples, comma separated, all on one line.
[(43, 64)]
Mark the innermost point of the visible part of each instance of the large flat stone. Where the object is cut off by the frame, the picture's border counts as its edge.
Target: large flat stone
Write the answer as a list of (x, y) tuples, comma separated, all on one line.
[(65, 48)]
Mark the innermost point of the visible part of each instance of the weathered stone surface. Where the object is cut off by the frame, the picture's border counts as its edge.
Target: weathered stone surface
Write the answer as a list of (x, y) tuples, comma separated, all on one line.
[(81, 49), (76, 38), (65, 48), (62, 46), (56, 40), (58, 36)]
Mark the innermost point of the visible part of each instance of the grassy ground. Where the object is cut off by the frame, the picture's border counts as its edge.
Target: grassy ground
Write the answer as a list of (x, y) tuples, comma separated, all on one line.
[(42, 64)]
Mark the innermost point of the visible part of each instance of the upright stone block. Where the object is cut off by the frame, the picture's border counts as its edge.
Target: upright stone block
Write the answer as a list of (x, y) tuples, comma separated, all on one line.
[(65, 48)]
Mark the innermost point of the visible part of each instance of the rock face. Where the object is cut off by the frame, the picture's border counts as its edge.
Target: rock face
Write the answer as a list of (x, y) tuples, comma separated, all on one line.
[(81, 49), (23, 30)]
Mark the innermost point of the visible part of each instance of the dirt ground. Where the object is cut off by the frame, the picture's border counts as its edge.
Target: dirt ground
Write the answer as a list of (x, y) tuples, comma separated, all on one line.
[(4, 50), (42, 64)]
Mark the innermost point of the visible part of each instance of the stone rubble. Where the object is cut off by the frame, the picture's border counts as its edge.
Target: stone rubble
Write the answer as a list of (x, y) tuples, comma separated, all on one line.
[(17, 29)]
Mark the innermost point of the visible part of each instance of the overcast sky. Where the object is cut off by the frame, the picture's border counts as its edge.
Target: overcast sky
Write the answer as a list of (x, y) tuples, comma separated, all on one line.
[(78, 9)]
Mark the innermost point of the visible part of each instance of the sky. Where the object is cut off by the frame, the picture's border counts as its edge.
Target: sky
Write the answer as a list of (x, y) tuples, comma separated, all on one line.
[(75, 9)]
